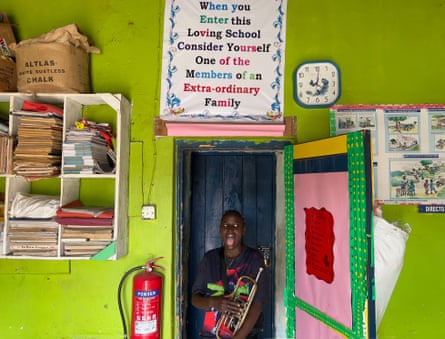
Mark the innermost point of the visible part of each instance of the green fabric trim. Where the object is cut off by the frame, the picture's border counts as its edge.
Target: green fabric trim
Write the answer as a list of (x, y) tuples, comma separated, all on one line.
[(289, 300), (358, 236), (316, 313)]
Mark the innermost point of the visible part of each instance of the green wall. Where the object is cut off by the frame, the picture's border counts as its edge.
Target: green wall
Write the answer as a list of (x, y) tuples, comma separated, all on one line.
[(388, 52)]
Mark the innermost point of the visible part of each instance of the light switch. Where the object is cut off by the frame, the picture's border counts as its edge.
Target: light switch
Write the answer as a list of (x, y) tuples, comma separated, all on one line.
[(149, 212)]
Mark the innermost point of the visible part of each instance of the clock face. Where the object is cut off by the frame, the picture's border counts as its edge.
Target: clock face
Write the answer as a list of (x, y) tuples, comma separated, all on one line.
[(317, 84)]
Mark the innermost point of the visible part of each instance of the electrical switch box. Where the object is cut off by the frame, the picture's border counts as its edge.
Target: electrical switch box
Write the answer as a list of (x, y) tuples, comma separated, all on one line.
[(149, 212)]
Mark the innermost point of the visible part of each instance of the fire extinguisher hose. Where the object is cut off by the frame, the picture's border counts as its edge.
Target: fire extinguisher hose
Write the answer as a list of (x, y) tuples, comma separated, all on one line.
[(119, 296)]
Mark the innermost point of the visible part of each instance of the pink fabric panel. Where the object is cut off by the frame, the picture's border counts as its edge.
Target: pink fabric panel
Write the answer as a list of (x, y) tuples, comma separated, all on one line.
[(333, 299), (211, 130), (317, 329)]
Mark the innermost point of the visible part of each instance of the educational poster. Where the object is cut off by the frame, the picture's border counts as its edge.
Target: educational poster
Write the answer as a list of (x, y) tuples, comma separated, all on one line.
[(408, 149), (223, 61), (329, 258)]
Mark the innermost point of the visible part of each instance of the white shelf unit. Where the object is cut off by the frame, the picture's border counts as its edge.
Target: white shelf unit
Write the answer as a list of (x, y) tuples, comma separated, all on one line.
[(70, 185)]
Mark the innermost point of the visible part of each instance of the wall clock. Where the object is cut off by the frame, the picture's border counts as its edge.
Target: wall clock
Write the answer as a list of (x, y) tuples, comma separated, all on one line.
[(317, 84)]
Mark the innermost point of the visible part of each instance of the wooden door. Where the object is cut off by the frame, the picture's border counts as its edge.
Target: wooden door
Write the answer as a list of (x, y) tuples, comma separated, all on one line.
[(220, 181), (329, 235)]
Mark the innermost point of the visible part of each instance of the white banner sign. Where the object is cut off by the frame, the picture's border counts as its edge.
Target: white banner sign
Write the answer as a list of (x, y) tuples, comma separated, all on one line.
[(223, 61)]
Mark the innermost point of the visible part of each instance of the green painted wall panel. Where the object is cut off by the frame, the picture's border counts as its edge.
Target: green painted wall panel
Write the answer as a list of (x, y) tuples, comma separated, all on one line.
[(416, 307), (388, 52)]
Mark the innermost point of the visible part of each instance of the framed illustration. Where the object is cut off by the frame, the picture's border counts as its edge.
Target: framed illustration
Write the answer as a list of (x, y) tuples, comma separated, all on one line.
[(408, 144)]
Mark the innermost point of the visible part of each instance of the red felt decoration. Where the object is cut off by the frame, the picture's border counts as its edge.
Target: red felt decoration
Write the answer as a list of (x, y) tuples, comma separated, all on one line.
[(320, 243)]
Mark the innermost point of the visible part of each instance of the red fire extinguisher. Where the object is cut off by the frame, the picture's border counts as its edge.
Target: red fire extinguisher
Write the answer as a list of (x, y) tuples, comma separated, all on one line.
[(146, 302)]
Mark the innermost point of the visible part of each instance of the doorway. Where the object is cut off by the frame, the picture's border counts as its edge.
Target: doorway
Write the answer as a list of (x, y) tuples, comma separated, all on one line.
[(211, 178)]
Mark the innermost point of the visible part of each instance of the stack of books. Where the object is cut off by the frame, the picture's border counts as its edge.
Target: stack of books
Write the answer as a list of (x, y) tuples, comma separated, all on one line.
[(32, 237), (85, 150), (2, 219), (6, 146), (85, 230), (39, 143)]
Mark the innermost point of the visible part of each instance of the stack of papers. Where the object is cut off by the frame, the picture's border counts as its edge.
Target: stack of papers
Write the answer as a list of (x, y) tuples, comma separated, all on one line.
[(85, 230), (6, 146), (39, 144), (32, 237), (86, 151), (2, 219)]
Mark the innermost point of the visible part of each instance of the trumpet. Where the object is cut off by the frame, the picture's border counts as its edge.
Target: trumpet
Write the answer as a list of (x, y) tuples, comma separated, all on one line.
[(230, 323)]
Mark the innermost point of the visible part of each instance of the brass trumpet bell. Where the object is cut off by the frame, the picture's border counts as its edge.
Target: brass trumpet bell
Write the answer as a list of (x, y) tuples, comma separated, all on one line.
[(229, 323)]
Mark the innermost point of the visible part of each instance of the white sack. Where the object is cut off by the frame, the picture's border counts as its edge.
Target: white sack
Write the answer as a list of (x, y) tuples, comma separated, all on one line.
[(34, 206), (389, 252)]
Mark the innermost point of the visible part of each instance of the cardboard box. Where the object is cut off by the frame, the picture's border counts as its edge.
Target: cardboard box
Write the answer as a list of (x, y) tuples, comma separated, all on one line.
[(52, 68), (8, 76)]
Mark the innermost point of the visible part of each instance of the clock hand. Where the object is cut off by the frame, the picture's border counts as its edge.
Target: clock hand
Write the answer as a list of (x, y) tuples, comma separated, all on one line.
[(316, 82)]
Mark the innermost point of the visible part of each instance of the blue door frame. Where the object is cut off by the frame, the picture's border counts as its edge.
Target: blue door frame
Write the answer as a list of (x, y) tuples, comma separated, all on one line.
[(233, 151)]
